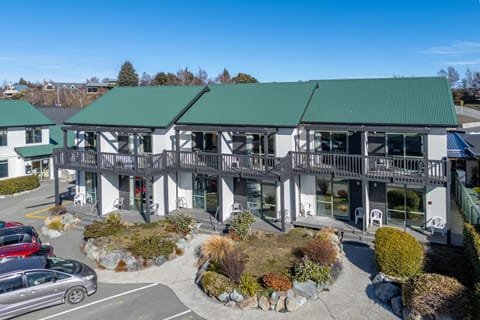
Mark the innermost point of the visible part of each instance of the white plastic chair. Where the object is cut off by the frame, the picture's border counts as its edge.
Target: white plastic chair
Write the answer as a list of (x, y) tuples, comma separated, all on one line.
[(236, 208), (359, 214), (437, 223), (376, 215), (182, 202), (79, 199), (306, 209), (118, 203)]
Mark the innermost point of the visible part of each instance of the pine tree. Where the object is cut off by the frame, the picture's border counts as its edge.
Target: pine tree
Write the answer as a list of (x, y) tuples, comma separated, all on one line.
[(127, 77)]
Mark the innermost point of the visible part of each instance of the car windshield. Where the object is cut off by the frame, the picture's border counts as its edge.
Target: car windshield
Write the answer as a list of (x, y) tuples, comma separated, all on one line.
[(64, 265)]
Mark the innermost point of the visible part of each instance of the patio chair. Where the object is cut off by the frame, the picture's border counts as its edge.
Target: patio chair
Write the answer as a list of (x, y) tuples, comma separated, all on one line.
[(236, 208), (79, 199), (182, 202), (306, 209), (438, 224), (376, 215), (118, 203), (359, 214), (153, 208)]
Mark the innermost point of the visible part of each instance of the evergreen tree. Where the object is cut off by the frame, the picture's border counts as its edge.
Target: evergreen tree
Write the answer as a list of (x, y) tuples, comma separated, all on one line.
[(127, 77), (244, 78)]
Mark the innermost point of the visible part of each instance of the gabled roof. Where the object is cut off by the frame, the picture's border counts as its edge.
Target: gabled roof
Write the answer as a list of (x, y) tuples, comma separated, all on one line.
[(20, 113), (56, 141), (252, 104), (457, 147), (394, 101), (152, 107)]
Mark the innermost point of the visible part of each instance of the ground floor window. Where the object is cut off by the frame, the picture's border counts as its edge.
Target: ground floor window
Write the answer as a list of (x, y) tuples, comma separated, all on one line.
[(332, 197), (3, 168), (91, 187), (41, 168), (205, 192), (405, 205), (262, 198)]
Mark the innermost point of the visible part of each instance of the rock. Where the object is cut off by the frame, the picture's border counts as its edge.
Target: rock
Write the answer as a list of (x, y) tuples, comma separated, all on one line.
[(264, 303), (139, 263), (280, 306), (49, 233), (306, 289), (248, 303), (131, 263), (160, 260), (274, 298), (224, 297), (110, 261), (293, 304), (171, 256), (182, 244), (188, 237), (148, 263), (231, 304), (379, 278), (201, 271), (385, 291), (236, 296), (397, 305)]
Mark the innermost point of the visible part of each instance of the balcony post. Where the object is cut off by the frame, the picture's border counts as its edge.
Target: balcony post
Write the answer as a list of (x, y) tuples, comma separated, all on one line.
[(177, 148), (220, 176), (99, 174), (308, 148), (282, 205), (64, 138), (265, 152), (425, 159), (135, 151), (57, 193), (147, 199)]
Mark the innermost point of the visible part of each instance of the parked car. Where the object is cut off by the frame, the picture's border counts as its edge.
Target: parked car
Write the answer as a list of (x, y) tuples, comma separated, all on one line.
[(21, 242), (37, 282), (10, 224)]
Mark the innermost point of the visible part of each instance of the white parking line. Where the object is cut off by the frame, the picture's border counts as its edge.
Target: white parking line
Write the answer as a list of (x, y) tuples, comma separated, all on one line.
[(178, 315), (99, 301)]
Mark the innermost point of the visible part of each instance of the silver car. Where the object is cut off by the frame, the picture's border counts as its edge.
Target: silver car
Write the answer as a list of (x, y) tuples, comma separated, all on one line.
[(38, 282)]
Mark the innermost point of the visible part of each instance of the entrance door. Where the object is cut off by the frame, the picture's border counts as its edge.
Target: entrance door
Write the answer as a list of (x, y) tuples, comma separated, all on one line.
[(332, 198), (124, 190), (205, 192), (262, 199)]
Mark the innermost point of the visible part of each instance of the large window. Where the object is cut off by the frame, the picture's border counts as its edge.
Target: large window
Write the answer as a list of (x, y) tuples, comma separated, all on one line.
[(204, 141), (33, 135), (3, 168), (332, 197), (3, 136), (410, 145), (90, 141), (331, 141), (405, 205)]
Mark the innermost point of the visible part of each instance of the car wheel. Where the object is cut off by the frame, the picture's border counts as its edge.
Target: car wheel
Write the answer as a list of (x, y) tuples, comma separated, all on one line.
[(75, 295)]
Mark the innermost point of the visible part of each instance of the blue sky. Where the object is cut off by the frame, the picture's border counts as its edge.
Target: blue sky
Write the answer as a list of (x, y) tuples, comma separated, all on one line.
[(271, 40)]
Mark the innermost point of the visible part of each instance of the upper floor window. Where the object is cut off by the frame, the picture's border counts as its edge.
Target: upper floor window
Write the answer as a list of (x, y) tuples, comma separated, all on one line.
[(145, 143), (204, 141), (90, 141), (410, 145), (3, 168), (3, 136), (33, 135), (331, 141)]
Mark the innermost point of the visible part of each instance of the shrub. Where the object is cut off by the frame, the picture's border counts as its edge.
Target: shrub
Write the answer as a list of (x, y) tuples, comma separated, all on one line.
[(308, 270), (277, 282), (180, 223), (55, 224), (19, 184), (233, 264), (214, 284), (153, 246), (321, 251), (471, 243), (397, 253), (57, 210), (113, 218), (249, 285), (431, 294), (100, 229), (241, 224), (216, 246), (121, 266)]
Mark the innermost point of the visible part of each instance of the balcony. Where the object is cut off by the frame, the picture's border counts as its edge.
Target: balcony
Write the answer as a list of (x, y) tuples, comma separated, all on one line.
[(391, 169)]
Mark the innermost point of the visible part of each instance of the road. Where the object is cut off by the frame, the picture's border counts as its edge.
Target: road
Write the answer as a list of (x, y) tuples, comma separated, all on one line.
[(112, 301), (468, 112)]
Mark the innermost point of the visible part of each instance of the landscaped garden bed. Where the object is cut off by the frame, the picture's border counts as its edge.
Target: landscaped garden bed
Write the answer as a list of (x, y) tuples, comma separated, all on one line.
[(59, 222), (268, 271), (117, 245)]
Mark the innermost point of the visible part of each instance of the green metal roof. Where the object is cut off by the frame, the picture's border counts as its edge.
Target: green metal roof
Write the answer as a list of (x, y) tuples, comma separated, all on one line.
[(20, 113), (252, 104), (395, 101), (36, 151), (56, 136), (154, 107)]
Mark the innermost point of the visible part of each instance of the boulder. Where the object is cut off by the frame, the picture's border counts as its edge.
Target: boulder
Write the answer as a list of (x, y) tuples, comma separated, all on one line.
[(188, 237), (379, 278), (264, 303), (236, 296), (280, 306), (160, 260), (131, 262), (50, 233), (224, 297), (274, 298), (248, 303), (293, 304), (397, 305), (306, 289), (231, 304), (110, 261), (148, 263), (385, 291), (182, 244), (201, 271)]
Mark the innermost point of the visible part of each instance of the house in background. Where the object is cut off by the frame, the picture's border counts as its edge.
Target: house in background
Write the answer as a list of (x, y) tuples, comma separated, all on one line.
[(100, 88), (14, 89), (287, 152)]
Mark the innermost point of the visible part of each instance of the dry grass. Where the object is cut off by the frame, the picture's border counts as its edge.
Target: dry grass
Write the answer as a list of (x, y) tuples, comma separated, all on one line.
[(215, 247), (267, 252), (55, 223)]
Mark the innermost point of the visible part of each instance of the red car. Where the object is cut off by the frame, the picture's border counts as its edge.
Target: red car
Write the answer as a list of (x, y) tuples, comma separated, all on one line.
[(21, 242), (10, 224)]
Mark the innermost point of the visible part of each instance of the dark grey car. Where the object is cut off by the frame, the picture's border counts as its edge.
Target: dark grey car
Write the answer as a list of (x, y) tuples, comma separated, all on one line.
[(38, 282)]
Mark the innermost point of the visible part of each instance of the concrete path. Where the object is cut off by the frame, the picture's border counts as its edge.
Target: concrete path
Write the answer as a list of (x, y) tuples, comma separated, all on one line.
[(349, 297)]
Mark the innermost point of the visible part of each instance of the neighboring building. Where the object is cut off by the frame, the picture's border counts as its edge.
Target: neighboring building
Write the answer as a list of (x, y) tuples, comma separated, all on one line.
[(464, 153), (48, 86), (24, 135), (100, 88), (288, 152), (14, 89)]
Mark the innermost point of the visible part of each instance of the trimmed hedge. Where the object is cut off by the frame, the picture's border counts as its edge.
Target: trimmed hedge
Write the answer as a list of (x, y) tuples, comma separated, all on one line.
[(19, 184), (471, 245), (397, 253)]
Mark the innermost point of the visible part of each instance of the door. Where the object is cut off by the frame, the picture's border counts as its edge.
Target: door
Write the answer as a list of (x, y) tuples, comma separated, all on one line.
[(205, 192), (124, 190), (43, 289)]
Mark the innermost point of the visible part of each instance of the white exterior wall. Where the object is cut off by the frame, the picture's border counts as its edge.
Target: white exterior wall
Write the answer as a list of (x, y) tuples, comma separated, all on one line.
[(285, 141), (108, 142), (227, 196), (109, 192), (308, 192), (437, 144), (436, 199), (172, 191), (185, 188)]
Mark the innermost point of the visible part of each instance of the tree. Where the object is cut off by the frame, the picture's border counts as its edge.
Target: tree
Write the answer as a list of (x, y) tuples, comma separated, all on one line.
[(244, 78), (22, 81), (145, 80), (164, 79), (185, 77), (453, 76), (224, 77), (127, 77), (201, 77), (93, 79), (468, 79), (442, 73)]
